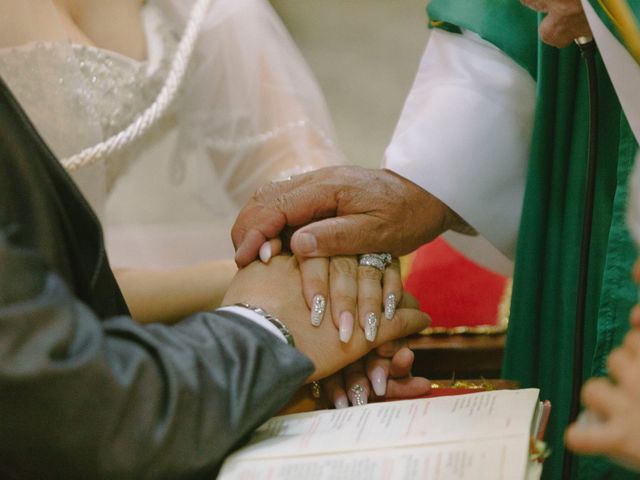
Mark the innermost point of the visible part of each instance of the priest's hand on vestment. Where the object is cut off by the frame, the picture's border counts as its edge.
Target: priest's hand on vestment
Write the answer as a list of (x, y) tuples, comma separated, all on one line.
[(615, 430), (276, 288), (564, 21), (615, 404)]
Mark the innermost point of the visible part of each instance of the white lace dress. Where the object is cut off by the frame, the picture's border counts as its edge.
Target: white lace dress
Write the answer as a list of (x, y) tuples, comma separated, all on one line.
[(247, 112)]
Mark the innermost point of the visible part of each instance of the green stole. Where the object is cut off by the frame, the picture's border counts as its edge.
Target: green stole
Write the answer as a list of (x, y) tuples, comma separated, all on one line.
[(540, 339)]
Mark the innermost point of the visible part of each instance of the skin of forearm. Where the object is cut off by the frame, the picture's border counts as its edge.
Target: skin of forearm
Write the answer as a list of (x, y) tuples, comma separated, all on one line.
[(166, 296)]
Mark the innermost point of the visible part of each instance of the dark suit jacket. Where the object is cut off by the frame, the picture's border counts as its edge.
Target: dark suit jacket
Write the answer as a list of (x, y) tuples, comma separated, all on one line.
[(85, 392)]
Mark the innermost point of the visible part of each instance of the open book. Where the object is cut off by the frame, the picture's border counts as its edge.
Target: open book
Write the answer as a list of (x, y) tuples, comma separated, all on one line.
[(476, 436)]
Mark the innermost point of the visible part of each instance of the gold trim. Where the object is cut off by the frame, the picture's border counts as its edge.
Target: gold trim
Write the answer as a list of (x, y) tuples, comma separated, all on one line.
[(625, 22), (470, 331)]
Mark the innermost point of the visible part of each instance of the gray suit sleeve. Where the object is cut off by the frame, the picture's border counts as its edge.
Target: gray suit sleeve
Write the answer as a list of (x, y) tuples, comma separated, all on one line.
[(82, 397)]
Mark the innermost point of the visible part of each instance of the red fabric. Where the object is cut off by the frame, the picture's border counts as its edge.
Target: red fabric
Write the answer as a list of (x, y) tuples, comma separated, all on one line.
[(453, 290)]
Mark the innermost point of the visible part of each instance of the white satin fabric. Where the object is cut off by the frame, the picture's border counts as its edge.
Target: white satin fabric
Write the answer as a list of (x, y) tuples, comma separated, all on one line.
[(464, 135), (249, 111)]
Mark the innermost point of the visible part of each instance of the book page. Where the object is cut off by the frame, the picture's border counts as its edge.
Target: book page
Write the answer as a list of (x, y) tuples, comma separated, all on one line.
[(418, 422), (497, 459)]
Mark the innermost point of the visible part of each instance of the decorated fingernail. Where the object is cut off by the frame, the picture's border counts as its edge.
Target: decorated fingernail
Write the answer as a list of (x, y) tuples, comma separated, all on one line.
[(358, 395), (390, 306), (317, 310), (341, 401), (346, 326), (265, 252), (379, 381), (315, 389), (371, 326)]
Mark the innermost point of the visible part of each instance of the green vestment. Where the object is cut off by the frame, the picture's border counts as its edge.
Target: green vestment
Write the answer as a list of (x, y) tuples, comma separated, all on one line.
[(541, 331)]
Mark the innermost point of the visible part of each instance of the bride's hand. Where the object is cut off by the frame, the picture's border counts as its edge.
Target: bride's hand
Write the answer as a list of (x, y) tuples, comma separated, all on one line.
[(382, 375), (355, 291)]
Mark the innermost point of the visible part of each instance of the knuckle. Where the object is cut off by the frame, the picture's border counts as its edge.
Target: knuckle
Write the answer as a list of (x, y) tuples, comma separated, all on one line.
[(340, 299), (369, 273), (264, 193), (345, 266)]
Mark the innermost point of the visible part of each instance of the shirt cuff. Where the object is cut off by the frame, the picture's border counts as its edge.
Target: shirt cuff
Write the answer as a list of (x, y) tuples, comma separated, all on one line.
[(255, 318), (465, 133)]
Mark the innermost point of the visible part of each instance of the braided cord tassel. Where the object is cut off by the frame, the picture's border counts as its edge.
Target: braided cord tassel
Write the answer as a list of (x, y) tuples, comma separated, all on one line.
[(168, 92)]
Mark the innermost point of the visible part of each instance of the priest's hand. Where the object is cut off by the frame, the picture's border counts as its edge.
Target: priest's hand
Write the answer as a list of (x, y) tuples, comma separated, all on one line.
[(276, 288), (342, 211), (564, 21), (612, 425), (614, 408)]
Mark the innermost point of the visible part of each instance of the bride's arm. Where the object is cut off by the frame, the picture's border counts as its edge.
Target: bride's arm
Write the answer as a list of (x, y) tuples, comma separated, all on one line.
[(164, 296)]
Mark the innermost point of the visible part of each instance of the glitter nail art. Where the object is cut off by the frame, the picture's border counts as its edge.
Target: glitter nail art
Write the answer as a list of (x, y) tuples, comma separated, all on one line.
[(390, 306), (317, 310)]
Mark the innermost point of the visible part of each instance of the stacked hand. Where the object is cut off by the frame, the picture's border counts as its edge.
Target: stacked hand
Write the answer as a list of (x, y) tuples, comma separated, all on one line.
[(276, 288), (612, 425), (339, 212), (342, 211)]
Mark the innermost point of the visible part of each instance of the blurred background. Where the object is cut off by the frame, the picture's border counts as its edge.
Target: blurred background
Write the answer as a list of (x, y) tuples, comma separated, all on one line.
[(365, 54)]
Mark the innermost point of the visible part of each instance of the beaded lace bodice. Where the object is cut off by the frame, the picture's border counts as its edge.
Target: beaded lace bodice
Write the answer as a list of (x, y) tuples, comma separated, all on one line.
[(79, 95)]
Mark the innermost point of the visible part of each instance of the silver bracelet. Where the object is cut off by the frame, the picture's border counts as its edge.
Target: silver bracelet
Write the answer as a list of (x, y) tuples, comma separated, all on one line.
[(276, 322)]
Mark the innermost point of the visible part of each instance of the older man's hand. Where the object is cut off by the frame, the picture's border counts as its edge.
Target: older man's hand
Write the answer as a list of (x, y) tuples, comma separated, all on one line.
[(564, 21), (342, 211)]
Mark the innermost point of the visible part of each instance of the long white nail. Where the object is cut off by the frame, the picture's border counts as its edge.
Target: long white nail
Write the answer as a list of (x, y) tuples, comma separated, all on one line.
[(341, 401), (379, 381), (358, 395), (390, 306), (265, 252), (371, 326), (346, 326), (317, 310)]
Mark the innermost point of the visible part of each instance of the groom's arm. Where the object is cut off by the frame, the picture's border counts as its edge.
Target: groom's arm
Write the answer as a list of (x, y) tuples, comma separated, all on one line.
[(107, 399)]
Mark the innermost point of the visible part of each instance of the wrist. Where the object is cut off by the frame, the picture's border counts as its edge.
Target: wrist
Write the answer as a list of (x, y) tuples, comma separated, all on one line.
[(272, 322)]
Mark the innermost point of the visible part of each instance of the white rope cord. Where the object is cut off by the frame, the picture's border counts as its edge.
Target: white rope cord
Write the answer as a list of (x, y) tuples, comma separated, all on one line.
[(168, 92)]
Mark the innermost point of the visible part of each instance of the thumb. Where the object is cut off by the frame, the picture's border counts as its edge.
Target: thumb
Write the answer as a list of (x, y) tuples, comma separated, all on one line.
[(407, 321), (346, 235)]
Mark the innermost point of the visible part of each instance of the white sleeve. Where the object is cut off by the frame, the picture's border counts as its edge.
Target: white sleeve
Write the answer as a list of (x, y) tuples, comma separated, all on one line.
[(465, 132)]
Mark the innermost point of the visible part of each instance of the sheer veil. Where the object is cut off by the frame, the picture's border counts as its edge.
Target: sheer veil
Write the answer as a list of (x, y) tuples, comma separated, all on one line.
[(246, 111)]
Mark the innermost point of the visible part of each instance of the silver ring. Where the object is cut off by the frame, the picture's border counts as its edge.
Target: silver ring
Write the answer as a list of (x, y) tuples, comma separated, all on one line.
[(375, 260)]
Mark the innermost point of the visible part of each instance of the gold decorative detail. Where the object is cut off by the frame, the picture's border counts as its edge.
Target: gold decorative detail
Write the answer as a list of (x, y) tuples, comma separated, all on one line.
[(625, 22)]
